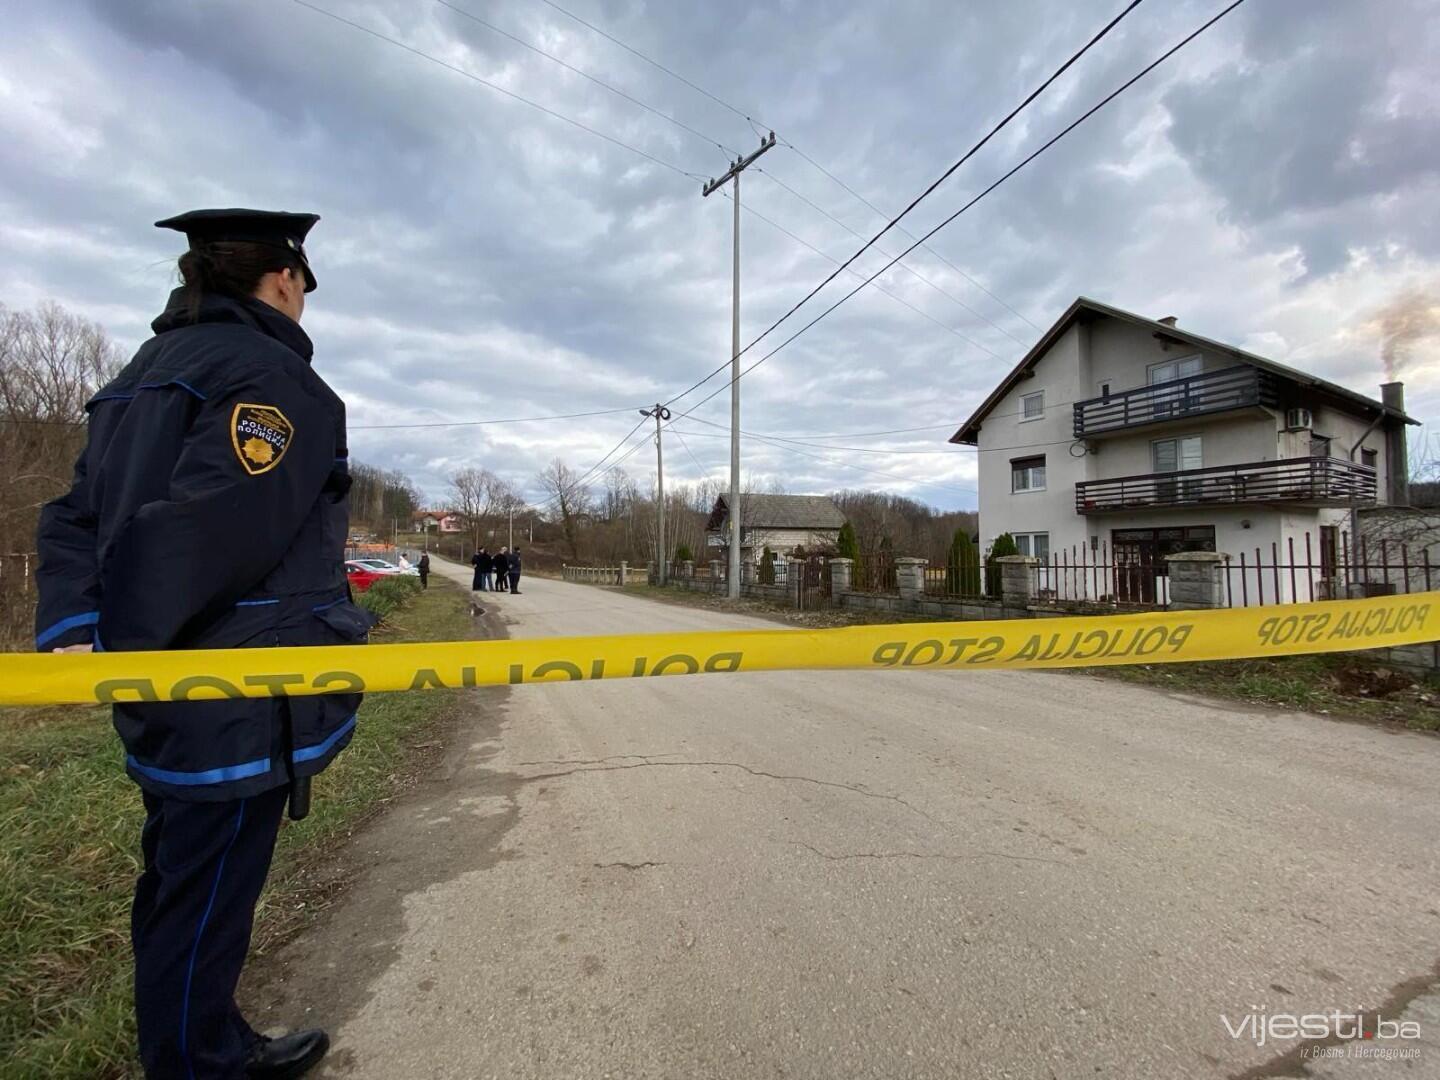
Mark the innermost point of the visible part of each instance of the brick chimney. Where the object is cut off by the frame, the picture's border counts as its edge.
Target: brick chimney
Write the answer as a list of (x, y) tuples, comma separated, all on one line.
[(1397, 462), (1168, 320)]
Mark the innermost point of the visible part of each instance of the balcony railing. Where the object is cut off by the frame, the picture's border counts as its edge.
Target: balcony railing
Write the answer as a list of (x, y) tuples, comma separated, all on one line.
[(1196, 395), (1309, 480)]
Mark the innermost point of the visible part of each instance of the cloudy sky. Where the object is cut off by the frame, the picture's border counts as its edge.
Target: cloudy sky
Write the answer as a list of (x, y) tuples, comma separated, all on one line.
[(1275, 184)]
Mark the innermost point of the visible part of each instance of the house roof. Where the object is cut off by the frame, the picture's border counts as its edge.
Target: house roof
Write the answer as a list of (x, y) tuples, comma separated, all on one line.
[(1083, 305), (780, 512)]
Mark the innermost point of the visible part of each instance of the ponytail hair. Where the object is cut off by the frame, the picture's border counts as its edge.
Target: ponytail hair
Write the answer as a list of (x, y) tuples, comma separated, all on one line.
[(229, 268)]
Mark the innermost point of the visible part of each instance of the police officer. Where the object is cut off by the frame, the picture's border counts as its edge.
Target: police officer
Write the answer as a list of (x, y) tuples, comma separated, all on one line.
[(209, 511)]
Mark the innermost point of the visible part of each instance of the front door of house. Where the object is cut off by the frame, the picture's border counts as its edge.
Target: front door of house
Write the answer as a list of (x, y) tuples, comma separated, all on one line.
[(1139, 557)]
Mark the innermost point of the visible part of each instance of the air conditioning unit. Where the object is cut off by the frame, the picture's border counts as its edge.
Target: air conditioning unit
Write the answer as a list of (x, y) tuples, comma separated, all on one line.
[(1298, 419)]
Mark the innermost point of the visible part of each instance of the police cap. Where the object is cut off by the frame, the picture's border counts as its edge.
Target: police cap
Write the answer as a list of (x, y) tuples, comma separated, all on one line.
[(273, 228)]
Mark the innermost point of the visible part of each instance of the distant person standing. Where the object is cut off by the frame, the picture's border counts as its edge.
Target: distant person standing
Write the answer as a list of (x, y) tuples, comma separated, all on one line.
[(502, 569), (424, 567), (482, 563), (514, 570)]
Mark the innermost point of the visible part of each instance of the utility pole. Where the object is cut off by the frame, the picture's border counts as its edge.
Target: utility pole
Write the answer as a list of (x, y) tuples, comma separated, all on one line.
[(739, 166), (659, 412), (512, 527)]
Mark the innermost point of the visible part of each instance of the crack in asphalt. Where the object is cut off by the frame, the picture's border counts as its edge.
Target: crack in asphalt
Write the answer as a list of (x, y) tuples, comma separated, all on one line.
[(650, 763), (625, 865), (924, 855)]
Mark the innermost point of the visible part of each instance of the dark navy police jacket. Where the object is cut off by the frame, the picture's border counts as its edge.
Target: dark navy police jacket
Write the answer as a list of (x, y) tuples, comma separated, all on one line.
[(209, 511)]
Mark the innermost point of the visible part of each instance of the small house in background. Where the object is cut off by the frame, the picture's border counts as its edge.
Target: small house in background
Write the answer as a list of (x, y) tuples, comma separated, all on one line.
[(780, 522), (441, 521)]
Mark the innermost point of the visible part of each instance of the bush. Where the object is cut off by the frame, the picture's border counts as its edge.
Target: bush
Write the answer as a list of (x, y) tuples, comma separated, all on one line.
[(1004, 545), (847, 544), (682, 554), (962, 566), (389, 593), (767, 568)]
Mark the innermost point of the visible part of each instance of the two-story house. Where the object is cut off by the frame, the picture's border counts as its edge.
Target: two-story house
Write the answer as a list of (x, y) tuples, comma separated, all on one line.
[(1120, 439)]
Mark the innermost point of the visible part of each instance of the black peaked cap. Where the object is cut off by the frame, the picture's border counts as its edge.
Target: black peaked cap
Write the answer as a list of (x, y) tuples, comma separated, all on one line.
[(274, 228)]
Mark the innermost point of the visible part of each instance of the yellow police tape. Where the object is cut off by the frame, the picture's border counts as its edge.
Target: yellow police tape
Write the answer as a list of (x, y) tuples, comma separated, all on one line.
[(1072, 641)]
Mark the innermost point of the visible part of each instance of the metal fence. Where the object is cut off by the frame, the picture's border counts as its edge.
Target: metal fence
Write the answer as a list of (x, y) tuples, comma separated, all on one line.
[(874, 573), (1303, 569), (813, 584), (607, 575), (17, 599)]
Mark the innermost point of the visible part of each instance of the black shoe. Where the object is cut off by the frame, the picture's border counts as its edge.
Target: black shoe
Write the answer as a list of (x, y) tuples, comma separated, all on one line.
[(288, 1056)]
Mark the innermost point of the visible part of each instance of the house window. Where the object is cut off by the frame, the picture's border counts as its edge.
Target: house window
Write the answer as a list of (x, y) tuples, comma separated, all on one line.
[(1036, 544), (1179, 368), (1369, 457), (1172, 455), (1032, 406), (1319, 445), (1027, 474)]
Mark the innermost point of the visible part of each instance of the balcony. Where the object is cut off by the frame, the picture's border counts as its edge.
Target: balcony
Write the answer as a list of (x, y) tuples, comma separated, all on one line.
[(1227, 390), (1301, 482)]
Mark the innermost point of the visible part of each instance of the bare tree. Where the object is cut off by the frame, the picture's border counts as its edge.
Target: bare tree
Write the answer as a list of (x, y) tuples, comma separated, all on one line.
[(569, 500), (482, 499), (51, 362)]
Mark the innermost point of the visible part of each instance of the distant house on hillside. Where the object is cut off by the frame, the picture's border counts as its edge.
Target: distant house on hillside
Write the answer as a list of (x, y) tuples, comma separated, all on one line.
[(443, 521), (780, 522)]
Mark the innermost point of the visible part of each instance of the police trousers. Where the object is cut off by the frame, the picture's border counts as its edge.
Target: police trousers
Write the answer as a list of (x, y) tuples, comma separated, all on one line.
[(205, 864)]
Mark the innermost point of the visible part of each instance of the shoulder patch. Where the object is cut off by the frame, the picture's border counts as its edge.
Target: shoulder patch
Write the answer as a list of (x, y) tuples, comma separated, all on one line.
[(260, 434)]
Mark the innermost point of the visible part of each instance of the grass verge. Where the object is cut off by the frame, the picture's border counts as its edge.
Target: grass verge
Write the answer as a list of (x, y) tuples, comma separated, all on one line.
[(1345, 686), (69, 844)]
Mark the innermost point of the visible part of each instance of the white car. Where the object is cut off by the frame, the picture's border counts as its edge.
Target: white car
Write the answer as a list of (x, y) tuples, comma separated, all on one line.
[(380, 566)]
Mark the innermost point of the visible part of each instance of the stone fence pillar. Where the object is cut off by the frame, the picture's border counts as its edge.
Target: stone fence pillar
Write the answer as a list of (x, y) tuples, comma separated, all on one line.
[(1197, 579), (717, 575), (687, 568), (840, 575), (795, 579), (747, 572), (624, 572), (1017, 578), (910, 577)]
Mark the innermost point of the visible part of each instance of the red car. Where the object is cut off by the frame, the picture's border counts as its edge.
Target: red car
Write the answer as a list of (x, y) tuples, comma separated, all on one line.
[(360, 576)]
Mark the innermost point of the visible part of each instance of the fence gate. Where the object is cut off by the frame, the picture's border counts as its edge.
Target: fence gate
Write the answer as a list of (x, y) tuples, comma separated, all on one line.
[(812, 586)]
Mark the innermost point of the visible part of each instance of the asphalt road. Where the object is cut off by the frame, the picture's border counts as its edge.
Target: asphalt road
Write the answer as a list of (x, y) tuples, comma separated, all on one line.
[(894, 874)]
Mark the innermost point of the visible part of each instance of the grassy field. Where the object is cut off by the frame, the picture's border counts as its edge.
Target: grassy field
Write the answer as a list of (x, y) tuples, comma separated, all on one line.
[(69, 835)]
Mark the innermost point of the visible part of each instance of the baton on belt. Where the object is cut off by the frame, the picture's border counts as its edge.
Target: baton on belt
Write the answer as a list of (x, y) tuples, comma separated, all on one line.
[(299, 797)]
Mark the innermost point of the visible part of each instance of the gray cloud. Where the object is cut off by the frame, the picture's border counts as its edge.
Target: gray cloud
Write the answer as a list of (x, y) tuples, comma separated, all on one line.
[(480, 259)]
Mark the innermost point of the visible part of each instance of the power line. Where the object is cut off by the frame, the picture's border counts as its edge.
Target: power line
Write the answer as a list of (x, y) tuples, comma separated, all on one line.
[(727, 149), (642, 56), (893, 296), (500, 89), (817, 446), (925, 194), (679, 435), (862, 468), (483, 423), (755, 123), (587, 76), (877, 434), (1003, 178), (908, 269), (906, 233)]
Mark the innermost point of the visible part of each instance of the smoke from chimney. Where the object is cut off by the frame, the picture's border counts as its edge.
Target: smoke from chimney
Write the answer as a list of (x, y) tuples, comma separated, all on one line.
[(1403, 323)]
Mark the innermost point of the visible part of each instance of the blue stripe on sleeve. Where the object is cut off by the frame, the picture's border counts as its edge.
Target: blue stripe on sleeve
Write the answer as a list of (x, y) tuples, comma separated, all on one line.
[(49, 634)]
